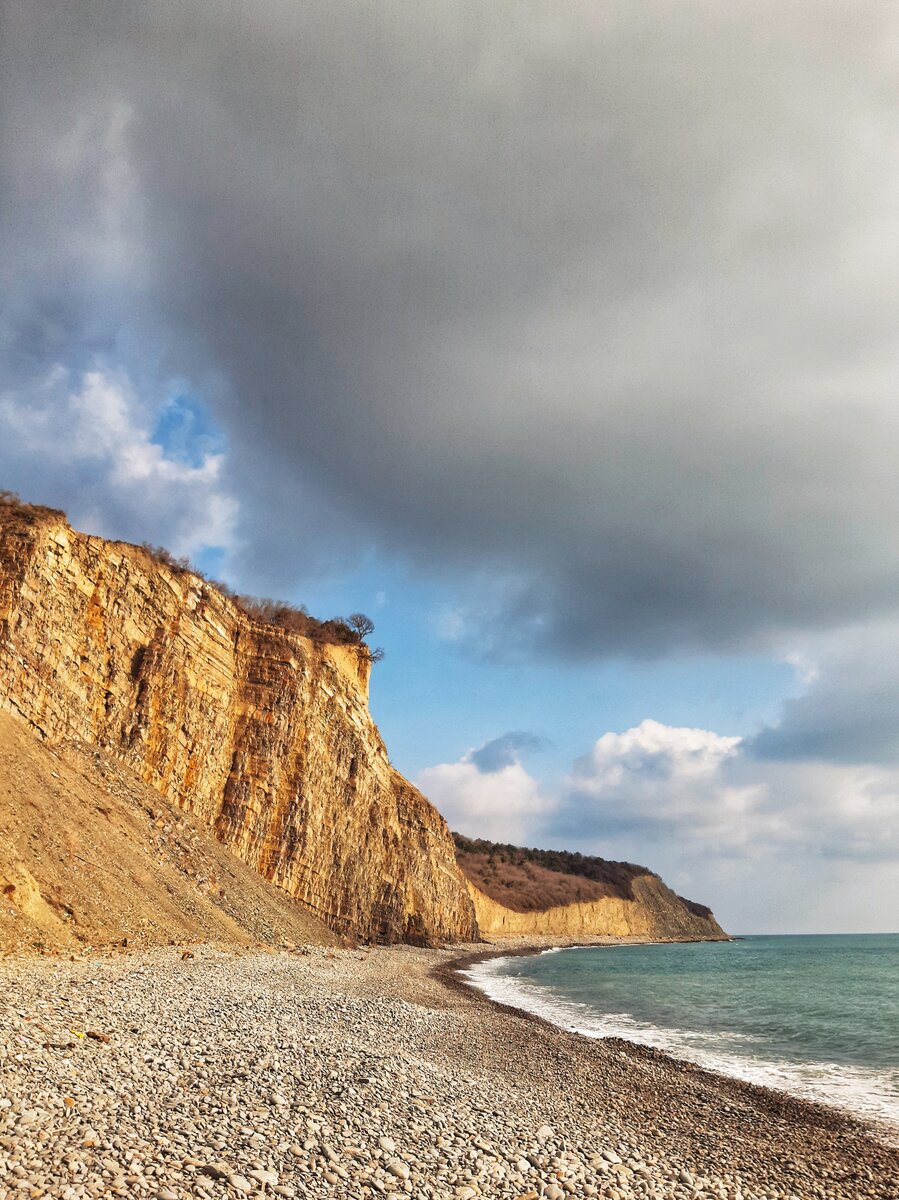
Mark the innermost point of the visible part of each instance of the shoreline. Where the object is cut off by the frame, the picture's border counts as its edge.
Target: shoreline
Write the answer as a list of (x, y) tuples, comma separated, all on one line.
[(451, 974), (366, 1072)]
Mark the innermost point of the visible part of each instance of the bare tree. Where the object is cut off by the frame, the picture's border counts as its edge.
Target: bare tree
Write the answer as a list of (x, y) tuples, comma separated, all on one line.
[(361, 624), (363, 627)]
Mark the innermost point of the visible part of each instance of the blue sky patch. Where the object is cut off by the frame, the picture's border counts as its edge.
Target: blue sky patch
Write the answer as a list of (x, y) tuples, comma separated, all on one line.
[(186, 431)]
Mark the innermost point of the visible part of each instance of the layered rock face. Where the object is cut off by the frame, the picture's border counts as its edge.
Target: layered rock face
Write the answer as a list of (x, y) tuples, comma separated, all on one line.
[(261, 733), (653, 912)]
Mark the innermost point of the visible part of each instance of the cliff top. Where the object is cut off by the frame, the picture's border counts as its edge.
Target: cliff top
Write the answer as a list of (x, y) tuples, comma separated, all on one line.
[(335, 631), (528, 880)]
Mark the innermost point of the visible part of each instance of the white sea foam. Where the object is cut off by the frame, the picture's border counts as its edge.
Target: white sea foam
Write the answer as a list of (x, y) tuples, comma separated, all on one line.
[(873, 1095)]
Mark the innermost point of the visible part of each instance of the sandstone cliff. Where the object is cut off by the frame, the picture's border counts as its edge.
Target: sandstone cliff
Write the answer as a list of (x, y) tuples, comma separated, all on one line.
[(654, 911), (262, 734)]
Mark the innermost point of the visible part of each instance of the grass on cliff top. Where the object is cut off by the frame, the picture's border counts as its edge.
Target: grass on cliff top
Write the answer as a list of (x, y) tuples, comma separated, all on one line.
[(29, 513), (341, 631)]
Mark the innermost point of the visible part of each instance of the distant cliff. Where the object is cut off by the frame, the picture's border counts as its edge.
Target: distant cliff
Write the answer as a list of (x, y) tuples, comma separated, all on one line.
[(517, 892), (263, 734)]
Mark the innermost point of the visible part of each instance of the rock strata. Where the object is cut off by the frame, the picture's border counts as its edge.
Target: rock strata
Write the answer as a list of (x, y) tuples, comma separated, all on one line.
[(264, 735), (653, 911)]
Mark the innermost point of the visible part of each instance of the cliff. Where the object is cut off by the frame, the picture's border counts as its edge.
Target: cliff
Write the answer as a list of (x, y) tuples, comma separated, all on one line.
[(653, 912), (262, 734), (92, 856), (518, 892)]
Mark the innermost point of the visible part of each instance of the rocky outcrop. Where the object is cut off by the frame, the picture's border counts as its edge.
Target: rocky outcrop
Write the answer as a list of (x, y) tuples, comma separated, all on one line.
[(264, 735), (653, 911)]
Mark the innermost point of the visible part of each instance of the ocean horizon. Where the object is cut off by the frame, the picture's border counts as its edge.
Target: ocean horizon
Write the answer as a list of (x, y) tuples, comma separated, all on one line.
[(813, 1015)]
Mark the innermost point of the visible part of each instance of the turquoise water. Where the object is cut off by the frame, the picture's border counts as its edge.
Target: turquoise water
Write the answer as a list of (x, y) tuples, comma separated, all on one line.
[(817, 1016)]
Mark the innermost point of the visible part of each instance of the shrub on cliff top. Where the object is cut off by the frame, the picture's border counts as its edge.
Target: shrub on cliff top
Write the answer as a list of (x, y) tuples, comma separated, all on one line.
[(349, 631), (179, 565), (340, 631), (16, 505), (296, 618)]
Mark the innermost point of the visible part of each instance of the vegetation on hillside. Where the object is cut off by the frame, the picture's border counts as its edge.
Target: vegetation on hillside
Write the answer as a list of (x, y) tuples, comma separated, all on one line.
[(527, 879), (341, 631), (698, 910), (28, 512)]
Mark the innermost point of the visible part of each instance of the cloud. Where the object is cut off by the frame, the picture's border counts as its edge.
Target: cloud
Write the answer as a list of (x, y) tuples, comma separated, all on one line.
[(849, 710), (449, 624), (580, 299), (88, 440), (702, 793), (504, 751), (653, 751), (655, 782), (488, 793), (770, 845)]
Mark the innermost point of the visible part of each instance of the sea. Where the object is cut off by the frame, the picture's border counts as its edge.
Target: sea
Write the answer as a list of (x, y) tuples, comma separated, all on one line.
[(813, 1015)]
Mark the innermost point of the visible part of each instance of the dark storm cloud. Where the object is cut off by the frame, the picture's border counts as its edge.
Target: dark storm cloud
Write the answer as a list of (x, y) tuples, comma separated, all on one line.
[(598, 301), (856, 725)]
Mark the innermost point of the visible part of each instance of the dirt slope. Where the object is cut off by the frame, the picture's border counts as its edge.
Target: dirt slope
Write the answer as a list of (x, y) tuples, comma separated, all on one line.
[(89, 854), (520, 880)]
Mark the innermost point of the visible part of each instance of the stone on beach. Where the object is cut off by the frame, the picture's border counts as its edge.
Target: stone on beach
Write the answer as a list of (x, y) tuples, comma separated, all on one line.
[(351, 1075)]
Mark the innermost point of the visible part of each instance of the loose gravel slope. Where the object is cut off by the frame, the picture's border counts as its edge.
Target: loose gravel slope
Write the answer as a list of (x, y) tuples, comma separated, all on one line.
[(91, 855)]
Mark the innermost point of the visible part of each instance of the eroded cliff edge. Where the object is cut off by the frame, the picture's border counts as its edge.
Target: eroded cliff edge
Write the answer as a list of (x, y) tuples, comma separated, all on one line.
[(261, 733)]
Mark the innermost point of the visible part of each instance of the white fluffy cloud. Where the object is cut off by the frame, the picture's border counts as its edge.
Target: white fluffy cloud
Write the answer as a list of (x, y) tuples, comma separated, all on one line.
[(701, 792), (86, 445), (503, 802), (663, 781), (769, 844)]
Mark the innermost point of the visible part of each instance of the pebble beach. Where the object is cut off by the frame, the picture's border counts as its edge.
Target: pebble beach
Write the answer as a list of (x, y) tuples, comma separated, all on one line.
[(359, 1073)]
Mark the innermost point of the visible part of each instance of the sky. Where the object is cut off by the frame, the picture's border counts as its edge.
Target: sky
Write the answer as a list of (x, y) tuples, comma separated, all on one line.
[(561, 339)]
